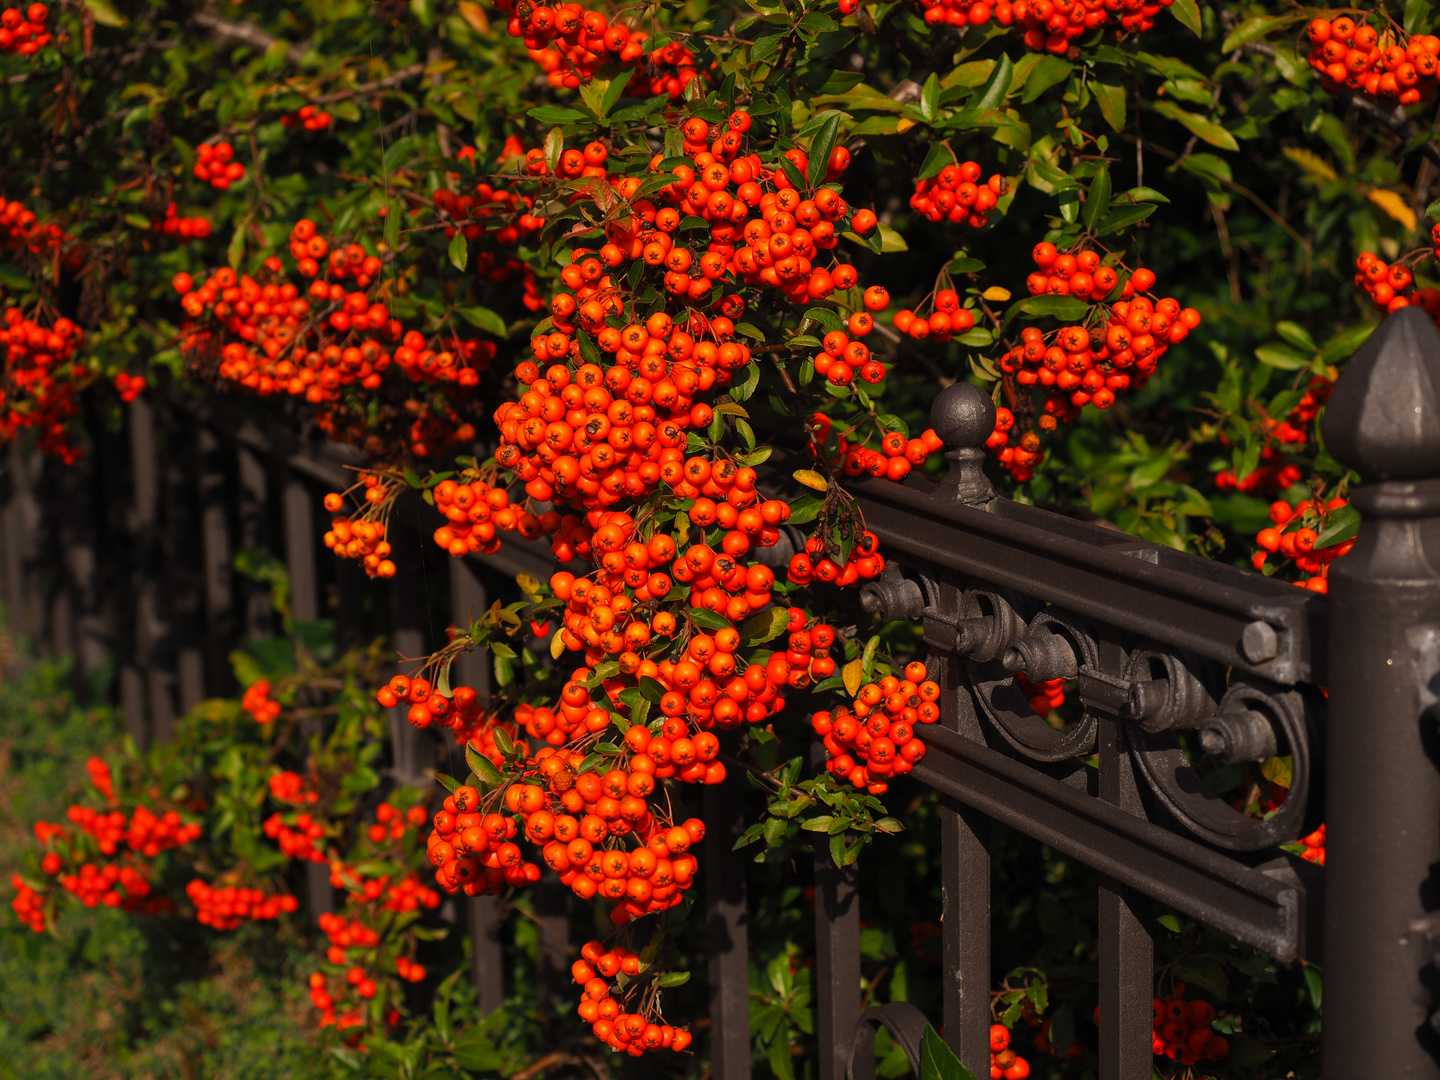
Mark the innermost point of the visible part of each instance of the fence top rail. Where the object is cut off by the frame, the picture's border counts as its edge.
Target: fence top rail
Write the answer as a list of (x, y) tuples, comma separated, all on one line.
[(1224, 613)]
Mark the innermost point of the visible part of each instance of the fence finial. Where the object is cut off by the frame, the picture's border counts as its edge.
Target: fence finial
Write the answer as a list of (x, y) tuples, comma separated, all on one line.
[(1384, 419), (964, 416)]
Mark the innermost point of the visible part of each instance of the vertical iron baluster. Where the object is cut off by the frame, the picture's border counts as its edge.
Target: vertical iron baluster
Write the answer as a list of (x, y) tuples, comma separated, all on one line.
[(487, 962), (727, 927), (965, 888), (215, 557), (412, 749), (551, 900), (147, 680), (1127, 950), (254, 520), (1382, 932), (305, 605), (837, 955), (964, 416)]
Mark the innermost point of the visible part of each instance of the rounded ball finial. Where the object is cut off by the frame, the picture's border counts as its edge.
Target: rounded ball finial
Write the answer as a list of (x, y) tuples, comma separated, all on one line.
[(1383, 419), (963, 416)]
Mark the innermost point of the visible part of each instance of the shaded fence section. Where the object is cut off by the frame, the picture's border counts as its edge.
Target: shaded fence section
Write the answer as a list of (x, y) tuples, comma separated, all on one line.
[(1182, 665)]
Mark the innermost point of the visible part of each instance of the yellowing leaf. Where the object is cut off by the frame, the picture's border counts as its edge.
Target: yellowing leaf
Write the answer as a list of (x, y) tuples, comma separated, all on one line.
[(474, 14), (854, 675), (811, 479), (1393, 205), (557, 645), (904, 125), (529, 585), (996, 293), (1310, 161), (1278, 770)]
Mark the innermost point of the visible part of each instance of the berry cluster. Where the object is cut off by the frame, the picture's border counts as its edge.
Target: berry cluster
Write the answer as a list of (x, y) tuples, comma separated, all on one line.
[(186, 228), (1294, 534), (40, 380), (1273, 474), (392, 824), (144, 831), (1314, 845), (258, 703), (571, 43), (877, 739), (1362, 59), (895, 458), (101, 778), (351, 987), (297, 841), (1182, 1030), (362, 536), (475, 513), (1045, 696), (333, 346), (957, 195), (28, 904), (945, 320), (1389, 285), (308, 117), (227, 907), (215, 164), (1114, 350), (632, 1033), (864, 560), (1051, 25), (290, 787), (129, 386), (1005, 1064), (24, 32)]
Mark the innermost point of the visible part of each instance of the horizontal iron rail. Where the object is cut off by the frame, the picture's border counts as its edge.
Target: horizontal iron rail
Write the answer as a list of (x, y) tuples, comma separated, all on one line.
[(1171, 596), (1247, 903)]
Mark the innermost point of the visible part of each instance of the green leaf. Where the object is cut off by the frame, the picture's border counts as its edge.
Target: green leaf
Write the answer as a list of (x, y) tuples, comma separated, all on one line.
[(1340, 525), (806, 509), (1124, 217), (764, 626), (1296, 335), (708, 619), (1049, 71), (105, 13), (483, 318), (1343, 344), (938, 1061), (1170, 922), (940, 155), (673, 978), (1187, 13), (765, 47), (890, 240), (930, 97), (460, 252), (1197, 125), (550, 115), (482, 766), (1097, 199), (1253, 29), (1111, 100), (992, 95), (1064, 308), (820, 148), (614, 91), (1282, 357)]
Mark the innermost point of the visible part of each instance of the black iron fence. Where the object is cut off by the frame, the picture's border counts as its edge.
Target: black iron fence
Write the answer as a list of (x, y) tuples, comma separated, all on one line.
[(1179, 662)]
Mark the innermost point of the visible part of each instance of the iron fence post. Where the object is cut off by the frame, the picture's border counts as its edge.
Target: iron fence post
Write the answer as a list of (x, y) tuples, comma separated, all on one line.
[(483, 915), (1383, 790)]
